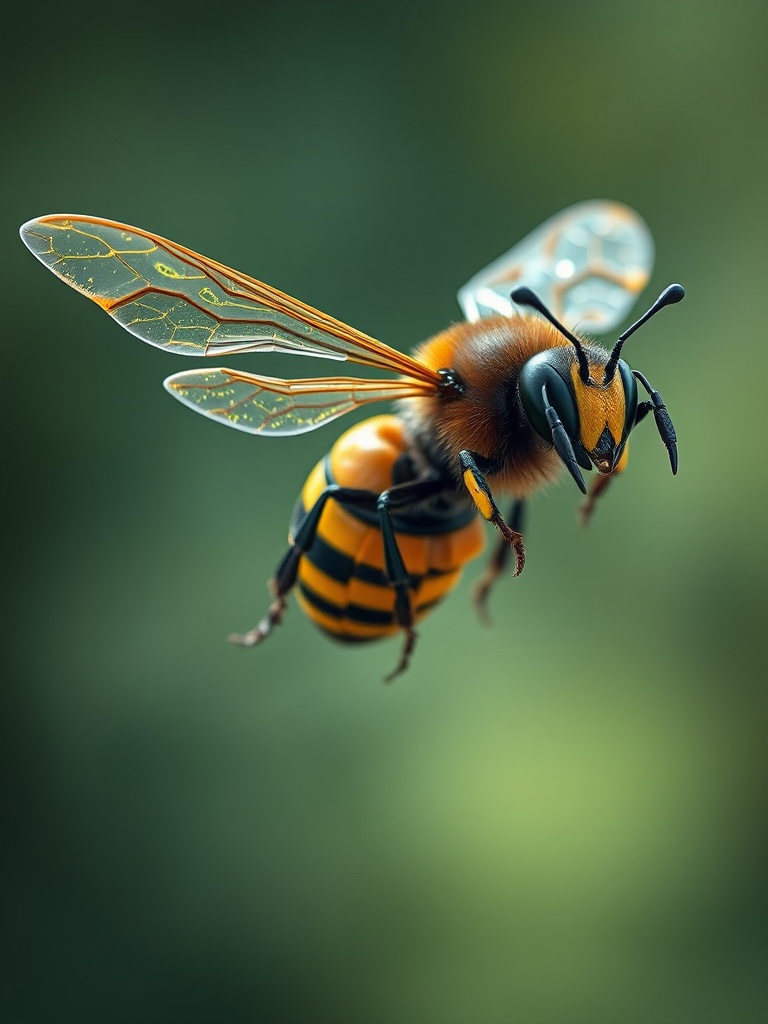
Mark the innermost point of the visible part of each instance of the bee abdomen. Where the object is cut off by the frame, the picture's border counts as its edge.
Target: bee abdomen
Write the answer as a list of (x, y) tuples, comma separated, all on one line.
[(351, 599), (342, 583)]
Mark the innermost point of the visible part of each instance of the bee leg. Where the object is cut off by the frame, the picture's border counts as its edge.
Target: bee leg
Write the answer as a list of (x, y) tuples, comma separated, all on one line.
[(477, 485), (399, 496), (660, 415), (497, 564), (598, 487), (284, 577), (280, 583), (397, 574)]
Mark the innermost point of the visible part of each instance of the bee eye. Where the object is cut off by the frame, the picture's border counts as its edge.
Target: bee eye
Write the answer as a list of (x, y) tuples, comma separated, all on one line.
[(538, 372)]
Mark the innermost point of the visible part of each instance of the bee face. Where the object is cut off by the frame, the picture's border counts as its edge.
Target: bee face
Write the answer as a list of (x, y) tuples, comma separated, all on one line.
[(606, 413), (597, 415), (599, 403)]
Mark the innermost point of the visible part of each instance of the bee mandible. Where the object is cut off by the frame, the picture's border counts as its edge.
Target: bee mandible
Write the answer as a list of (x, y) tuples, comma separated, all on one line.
[(497, 404)]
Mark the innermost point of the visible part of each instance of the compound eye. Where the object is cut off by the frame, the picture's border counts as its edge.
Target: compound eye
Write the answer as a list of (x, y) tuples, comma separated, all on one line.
[(538, 372)]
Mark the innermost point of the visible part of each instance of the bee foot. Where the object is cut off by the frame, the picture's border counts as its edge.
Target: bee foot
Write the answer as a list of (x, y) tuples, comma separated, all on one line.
[(515, 541), (261, 631), (405, 655)]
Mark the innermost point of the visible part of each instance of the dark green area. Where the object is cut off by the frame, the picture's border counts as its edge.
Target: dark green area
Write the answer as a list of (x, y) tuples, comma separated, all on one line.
[(557, 820)]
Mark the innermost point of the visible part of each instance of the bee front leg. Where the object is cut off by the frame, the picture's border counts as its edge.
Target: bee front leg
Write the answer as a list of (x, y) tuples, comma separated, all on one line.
[(477, 485), (497, 564)]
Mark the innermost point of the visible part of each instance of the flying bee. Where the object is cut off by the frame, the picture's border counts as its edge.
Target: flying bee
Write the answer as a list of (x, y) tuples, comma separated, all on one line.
[(497, 404)]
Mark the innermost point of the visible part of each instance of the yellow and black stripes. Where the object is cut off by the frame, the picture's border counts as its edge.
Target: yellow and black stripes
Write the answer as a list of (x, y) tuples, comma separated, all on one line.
[(354, 600), (344, 579)]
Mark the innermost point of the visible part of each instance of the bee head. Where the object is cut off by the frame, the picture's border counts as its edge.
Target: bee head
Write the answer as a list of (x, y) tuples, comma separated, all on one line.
[(584, 402)]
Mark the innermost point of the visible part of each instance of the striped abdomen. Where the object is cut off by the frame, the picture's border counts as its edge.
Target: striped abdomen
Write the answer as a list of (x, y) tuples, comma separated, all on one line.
[(342, 585)]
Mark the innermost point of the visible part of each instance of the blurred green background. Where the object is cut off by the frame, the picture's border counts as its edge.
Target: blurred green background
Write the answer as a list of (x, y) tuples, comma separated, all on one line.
[(558, 819)]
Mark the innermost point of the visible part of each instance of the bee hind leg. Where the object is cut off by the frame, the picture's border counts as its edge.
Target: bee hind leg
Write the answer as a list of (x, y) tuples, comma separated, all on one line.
[(284, 577), (280, 584), (405, 655), (497, 564)]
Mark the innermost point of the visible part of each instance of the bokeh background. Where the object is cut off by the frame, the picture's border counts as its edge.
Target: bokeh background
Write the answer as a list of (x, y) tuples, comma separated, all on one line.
[(558, 819)]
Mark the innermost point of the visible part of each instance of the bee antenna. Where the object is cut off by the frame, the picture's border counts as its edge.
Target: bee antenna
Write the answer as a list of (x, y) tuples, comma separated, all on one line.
[(672, 293), (523, 296)]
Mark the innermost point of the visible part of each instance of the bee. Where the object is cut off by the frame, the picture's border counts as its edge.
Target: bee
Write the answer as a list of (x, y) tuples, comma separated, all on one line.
[(500, 403)]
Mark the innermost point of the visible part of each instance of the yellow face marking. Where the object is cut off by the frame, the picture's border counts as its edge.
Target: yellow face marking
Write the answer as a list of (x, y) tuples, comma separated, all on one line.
[(599, 407), (480, 498)]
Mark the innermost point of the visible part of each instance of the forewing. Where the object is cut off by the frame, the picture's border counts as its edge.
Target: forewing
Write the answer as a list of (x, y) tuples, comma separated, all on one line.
[(276, 408), (588, 263), (185, 303)]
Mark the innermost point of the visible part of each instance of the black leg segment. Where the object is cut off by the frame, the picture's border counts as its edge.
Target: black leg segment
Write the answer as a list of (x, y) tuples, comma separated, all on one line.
[(661, 416)]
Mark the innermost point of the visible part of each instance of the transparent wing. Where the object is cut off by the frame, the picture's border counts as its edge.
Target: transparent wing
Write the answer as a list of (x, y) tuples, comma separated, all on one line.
[(275, 407), (588, 263), (183, 302)]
